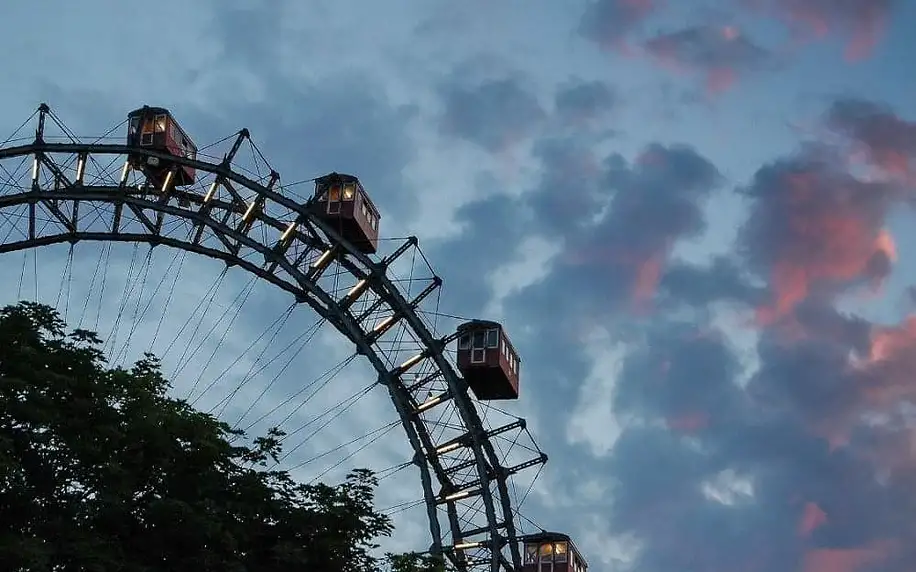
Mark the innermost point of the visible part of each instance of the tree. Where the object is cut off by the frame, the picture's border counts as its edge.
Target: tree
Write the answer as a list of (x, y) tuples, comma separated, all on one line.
[(100, 470), (415, 562)]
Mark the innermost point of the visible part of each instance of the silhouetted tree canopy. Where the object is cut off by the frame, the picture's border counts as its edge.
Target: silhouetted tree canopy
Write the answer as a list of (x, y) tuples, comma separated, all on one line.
[(100, 471)]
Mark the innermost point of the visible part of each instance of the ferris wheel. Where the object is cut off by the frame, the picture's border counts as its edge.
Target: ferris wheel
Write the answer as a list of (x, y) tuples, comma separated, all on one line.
[(147, 183)]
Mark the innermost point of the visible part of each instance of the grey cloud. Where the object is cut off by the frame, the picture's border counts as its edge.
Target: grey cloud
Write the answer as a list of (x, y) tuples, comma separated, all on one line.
[(888, 139), (708, 47), (245, 35), (825, 322), (805, 378), (608, 22), (682, 374), (653, 202), (649, 202), (650, 205), (569, 192), (860, 22), (337, 122), (492, 230), (813, 228), (493, 113), (583, 101), (763, 435), (609, 214), (699, 285), (700, 456), (722, 53)]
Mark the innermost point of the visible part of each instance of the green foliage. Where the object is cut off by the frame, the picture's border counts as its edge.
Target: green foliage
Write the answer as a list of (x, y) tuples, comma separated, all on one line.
[(100, 470), (414, 562)]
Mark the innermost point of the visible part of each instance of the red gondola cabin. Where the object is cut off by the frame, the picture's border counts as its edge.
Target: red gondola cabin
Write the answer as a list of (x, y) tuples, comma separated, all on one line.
[(551, 552), (487, 360), (154, 128), (343, 204)]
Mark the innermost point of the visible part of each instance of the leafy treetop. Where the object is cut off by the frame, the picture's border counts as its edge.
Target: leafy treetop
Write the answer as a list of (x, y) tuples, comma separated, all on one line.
[(100, 470)]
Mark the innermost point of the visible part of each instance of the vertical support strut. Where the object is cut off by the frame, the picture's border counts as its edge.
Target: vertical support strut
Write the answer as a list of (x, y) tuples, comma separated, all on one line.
[(43, 111), (240, 138)]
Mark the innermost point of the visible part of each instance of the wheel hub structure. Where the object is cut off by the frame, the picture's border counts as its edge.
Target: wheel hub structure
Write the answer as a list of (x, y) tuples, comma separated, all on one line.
[(56, 188)]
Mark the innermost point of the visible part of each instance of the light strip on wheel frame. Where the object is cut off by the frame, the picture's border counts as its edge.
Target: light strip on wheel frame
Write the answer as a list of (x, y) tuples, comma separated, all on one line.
[(411, 362), (125, 172), (288, 232), (324, 259), (35, 170), (249, 211), (431, 402), (357, 289), (168, 181), (80, 169), (468, 545), (383, 325), (460, 495), (447, 448), (211, 191)]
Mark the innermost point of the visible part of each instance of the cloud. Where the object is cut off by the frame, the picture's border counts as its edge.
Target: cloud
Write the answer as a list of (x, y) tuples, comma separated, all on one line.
[(495, 113), (719, 53), (814, 230), (608, 22), (490, 235), (754, 467), (701, 285), (618, 222), (584, 102), (681, 375), (615, 222), (806, 461), (860, 22), (652, 203), (882, 138)]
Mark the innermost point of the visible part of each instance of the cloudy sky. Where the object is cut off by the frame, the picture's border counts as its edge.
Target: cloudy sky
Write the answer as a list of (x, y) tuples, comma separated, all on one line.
[(691, 215)]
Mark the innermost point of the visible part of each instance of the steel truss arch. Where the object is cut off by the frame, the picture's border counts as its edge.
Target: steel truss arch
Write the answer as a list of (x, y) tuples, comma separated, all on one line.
[(294, 257)]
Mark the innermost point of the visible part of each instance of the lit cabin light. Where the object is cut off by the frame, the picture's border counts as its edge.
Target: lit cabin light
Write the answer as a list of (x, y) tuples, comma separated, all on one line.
[(467, 545), (383, 325), (125, 172), (35, 170), (288, 232), (80, 169), (249, 211), (167, 183), (210, 192), (323, 259), (458, 495), (447, 448), (411, 362), (429, 403), (348, 192), (358, 288)]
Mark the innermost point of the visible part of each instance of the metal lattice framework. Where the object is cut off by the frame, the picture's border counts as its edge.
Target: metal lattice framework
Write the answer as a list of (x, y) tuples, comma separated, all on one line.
[(59, 189)]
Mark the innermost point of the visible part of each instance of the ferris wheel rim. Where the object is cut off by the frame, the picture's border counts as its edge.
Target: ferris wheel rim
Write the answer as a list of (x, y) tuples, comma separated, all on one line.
[(362, 267)]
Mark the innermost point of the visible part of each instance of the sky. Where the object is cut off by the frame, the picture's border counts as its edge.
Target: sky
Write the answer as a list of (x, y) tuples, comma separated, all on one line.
[(692, 218)]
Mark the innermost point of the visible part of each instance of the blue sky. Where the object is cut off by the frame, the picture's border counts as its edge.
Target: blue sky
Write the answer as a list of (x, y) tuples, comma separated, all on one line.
[(682, 211)]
